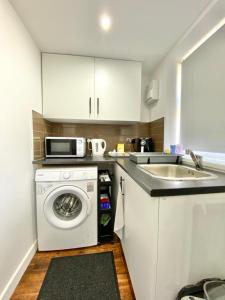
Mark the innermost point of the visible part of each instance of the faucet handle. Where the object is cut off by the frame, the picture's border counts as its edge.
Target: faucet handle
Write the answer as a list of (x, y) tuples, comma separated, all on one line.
[(198, 164), (199, 158)]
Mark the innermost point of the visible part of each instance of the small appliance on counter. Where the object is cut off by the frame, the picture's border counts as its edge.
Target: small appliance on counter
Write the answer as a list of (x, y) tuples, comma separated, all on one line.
[(65, 147), (142, 144), (98, 146)]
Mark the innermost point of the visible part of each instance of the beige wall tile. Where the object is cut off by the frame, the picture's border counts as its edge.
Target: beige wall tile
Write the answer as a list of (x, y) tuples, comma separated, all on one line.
[(112, 133)]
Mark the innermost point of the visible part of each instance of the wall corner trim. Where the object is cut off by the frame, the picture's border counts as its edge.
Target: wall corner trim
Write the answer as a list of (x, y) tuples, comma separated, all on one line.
[(16, 276)]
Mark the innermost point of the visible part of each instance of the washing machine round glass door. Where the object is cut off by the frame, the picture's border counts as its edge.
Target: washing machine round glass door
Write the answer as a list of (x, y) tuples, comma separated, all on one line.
[(67, 207)]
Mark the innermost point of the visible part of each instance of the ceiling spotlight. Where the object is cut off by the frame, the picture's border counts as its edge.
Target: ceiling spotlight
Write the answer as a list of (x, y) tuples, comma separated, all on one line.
[(105, 22)]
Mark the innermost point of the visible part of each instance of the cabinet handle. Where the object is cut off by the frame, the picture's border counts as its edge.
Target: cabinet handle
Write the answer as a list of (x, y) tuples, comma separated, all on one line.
[(90, 106), (121, 185), (97, 105)]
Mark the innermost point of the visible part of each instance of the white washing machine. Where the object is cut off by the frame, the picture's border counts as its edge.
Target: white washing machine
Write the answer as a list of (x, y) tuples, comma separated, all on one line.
[(66, 207)]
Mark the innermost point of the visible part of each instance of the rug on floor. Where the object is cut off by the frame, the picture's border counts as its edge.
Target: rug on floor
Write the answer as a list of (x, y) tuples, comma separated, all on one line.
[(81, 277)]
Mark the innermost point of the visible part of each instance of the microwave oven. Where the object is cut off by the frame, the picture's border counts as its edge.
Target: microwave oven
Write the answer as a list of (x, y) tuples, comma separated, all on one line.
[(65, 146)]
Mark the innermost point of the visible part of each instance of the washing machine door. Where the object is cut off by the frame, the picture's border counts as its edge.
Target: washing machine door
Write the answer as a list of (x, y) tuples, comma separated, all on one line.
[(67, 207)]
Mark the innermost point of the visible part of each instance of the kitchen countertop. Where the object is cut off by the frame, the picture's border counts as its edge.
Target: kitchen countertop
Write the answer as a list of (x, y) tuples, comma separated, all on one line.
[(153, 186), (159, 187)]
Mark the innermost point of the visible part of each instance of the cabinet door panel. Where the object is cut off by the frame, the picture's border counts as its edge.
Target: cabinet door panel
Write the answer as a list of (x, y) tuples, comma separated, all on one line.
[(68, 87), (140, 236), (191, 243), (117, 90)]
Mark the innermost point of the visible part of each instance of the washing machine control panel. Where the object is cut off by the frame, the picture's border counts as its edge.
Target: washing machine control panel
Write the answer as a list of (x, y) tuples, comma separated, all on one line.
[(72, 176), (66, 175)]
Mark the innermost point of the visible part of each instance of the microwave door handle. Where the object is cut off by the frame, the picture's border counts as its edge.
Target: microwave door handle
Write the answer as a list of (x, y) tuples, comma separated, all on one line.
[(89, 143), (74, 147), (47, 147)]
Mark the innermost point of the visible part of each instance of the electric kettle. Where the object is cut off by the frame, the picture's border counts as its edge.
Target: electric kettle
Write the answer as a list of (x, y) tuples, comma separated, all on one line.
[(98, 146)]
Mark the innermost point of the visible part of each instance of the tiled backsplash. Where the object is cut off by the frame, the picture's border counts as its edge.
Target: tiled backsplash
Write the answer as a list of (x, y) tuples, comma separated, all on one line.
[(41, 129), (113, 133), (157, 134)]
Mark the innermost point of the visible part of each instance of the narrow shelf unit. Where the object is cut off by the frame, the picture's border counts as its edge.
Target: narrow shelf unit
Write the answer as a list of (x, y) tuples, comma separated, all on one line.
[(105, 206)]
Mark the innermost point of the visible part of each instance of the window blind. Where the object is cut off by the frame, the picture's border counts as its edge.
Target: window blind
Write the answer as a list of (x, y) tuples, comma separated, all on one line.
[(203, 96)]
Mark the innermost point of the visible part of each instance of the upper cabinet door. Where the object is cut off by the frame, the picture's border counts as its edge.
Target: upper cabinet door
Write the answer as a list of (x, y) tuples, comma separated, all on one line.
[(68, 87), (117, 90)]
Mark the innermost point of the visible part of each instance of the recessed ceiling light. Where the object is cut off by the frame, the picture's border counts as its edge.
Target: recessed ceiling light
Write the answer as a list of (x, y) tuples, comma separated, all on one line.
[(105, 22)]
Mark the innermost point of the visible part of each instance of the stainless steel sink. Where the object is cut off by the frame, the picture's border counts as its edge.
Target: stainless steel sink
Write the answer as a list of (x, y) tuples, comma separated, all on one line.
[(175, 172)]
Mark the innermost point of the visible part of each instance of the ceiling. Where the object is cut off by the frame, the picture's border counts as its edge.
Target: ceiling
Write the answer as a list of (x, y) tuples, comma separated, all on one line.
[(141, 29)]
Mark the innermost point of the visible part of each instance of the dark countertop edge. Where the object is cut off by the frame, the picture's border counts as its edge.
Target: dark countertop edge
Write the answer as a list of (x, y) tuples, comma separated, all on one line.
[(76, 161), (187, 191), (153, 192)]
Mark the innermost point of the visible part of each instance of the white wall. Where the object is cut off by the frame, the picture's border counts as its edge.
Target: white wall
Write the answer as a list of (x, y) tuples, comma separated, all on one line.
[(166, 72), (20, 92), (144, 107)]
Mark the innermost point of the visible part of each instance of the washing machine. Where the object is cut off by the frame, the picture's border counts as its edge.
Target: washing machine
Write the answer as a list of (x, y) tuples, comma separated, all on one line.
[(66, 207)]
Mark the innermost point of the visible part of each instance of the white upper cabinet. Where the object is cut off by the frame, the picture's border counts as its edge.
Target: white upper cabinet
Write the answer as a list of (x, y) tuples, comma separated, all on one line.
[(68, 87), (79, 88), (117, 90)]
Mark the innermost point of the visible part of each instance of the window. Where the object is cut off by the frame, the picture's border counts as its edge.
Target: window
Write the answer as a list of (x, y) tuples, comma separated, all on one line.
[(203, 96)]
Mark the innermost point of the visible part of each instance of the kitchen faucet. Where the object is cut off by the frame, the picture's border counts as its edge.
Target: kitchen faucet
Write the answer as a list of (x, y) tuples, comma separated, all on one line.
[(196, 158)]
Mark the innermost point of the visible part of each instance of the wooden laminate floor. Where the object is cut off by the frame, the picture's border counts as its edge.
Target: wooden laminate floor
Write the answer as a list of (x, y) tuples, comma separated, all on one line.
[(32, 279)]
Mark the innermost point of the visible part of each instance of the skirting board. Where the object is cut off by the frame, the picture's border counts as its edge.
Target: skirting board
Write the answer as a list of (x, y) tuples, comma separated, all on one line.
[(15, 278)]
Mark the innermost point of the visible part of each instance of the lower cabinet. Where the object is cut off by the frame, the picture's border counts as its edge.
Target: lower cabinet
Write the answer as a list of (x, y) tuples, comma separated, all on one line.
[(170, 242), (191, 241), (140, 236)]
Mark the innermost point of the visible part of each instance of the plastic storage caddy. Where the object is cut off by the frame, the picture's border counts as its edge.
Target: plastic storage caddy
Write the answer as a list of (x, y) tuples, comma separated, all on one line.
[(214, 290), (205, 289)]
